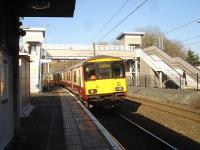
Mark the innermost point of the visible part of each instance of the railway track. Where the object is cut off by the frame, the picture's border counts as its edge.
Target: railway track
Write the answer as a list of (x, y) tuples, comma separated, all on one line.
[(129, 134), (134, 131), (151, 134)]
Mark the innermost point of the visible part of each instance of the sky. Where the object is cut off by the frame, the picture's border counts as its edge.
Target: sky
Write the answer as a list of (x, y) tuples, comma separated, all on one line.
[(90, 16)]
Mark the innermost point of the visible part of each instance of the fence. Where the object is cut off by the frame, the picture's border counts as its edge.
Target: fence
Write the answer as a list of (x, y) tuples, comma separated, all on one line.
[(154, 82)]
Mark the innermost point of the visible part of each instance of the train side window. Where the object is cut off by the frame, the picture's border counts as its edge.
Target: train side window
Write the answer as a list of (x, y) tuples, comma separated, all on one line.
[(68, 76), (74, 76), (90, 73)]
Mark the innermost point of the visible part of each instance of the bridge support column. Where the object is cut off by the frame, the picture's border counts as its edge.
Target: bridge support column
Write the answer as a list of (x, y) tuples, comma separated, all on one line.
[(136, 72), (160, 79), (131, 72)]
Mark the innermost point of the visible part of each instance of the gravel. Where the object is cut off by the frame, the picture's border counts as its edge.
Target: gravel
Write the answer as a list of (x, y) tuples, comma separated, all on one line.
[(186, 127), (189, 98)]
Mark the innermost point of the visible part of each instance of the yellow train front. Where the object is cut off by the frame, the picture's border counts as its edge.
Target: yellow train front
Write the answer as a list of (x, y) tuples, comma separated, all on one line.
[(104, 81)]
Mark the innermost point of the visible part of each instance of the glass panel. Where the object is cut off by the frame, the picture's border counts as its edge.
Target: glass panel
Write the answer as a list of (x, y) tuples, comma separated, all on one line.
[(104, 70), (90, 71), (118, 69)]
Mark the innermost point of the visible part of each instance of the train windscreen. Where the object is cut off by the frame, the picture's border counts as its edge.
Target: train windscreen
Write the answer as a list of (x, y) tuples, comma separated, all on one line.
[(104, 70)]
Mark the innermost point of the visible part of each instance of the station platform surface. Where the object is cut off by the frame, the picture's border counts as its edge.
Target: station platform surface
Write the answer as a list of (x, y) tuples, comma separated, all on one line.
[(60, 122)]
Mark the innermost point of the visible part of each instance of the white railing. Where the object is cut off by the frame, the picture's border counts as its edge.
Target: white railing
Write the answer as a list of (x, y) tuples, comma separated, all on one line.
[(175, 76), (88, 47), (159, 65), (147, 59)]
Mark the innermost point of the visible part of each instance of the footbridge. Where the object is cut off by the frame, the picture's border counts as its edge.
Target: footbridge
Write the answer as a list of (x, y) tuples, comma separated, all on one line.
[(156, 61), (72, 51)]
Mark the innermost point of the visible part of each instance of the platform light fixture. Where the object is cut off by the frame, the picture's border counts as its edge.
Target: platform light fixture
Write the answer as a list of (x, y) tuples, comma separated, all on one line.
[(40, 4)]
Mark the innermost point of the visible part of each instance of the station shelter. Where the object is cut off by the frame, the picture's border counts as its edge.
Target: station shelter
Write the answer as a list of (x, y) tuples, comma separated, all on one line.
[(11, 13)]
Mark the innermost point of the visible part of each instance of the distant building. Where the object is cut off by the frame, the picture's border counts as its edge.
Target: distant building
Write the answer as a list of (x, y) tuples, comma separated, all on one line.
[(131, 39), (32, 45)]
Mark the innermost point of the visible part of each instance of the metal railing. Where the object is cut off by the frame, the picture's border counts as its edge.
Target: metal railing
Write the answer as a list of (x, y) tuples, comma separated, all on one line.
[(88, 47), (167, 82)]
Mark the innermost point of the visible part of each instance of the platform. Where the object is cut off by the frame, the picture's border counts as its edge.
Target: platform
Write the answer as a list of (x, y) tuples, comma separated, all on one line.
[(58, 121), (82, 130)]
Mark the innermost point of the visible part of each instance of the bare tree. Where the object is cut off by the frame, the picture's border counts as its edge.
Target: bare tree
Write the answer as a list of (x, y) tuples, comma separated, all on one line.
[(153, 36)]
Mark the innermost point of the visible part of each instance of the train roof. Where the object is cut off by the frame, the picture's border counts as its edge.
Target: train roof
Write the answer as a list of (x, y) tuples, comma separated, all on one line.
[(100, 57)]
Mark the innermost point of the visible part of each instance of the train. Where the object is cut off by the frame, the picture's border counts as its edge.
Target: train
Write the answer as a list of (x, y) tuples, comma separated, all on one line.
[(97, 81)]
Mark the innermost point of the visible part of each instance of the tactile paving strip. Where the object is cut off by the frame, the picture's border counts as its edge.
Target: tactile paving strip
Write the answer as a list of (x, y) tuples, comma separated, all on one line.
[(72, 138)]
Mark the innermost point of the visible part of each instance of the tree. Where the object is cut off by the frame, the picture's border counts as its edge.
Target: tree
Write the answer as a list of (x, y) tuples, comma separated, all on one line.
[(153, 36), (174, 48), (193, 58)]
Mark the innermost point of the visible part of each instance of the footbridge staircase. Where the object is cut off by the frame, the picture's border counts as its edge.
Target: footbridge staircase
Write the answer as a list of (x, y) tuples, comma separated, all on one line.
[(172, 67)]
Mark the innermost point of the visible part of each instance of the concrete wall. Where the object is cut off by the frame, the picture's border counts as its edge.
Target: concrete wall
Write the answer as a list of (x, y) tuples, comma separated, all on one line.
[(122, 41), (6, 102), (34, 76), (34, 35), (8, 78), (147, 75), (32, 42), (24, 82), (131, 39), (136, 40)]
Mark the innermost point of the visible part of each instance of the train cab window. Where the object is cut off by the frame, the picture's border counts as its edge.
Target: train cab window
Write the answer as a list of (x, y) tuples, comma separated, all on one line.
[(90, 72), (118, 69), (104, 70)]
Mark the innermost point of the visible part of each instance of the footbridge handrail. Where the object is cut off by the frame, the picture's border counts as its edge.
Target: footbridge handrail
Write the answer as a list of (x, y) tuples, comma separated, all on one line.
[(147, 59), (88, 47), (177, 61), (159, 66)]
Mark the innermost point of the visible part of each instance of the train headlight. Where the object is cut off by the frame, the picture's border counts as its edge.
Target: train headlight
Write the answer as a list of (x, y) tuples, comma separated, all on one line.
[(92, 91), (119, 89)]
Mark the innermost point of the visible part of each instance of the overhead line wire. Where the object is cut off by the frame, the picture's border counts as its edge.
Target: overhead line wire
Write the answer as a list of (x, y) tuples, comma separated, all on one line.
[(122, 20), (192, 43), (106, 24), (194, 37), (181, 26), (191, 38)]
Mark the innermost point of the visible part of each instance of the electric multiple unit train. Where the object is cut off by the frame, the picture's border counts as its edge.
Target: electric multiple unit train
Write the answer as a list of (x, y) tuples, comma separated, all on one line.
[(98, 80)]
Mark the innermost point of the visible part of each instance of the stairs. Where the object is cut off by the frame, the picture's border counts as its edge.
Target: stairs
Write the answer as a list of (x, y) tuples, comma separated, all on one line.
[(174, 74)]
